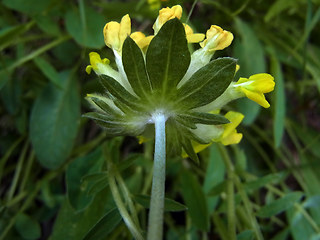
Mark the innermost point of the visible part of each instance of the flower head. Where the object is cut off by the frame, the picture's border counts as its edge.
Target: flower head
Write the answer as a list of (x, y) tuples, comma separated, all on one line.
[(157, 74), (255, 86)]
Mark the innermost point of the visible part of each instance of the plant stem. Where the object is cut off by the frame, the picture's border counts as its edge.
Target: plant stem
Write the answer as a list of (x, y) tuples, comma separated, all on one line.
[(155, 224), (121, 207), (230, 194)]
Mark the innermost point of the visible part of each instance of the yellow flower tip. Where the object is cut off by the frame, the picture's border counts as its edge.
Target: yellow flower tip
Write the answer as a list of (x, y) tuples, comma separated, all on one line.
[(255, 86), (166, 14), (143, 139), (141, 40), (193, 37), (95, 62), (230, 134), (237, 68), (89, 69), (217, 39), (115, 33)]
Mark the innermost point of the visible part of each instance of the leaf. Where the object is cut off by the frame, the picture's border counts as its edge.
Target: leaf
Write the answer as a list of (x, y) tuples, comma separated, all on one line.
[(10, 34), (204, 118), (207, 83), (188, 148), (263, 181), (215, 171), (168, 57), (279, 102), (251, 57), (218, 189), (195, 200), (54, 122), (48, 70), (169, 204), (104, 226), (77, 191), (246, 235), (280, 205), (27, 227), (134, 66), (278, 7), (48, 22), (85, 30), (30, 7), (70, 224), (118, 91)]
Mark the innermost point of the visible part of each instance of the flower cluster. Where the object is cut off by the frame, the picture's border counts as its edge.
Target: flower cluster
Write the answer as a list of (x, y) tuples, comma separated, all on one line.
[(157, 74)]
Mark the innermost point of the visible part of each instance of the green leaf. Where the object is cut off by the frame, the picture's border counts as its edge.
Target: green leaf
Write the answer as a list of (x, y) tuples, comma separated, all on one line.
[(188, 148), (70, 224), (27, 227), (204, 118), (118, 91), (169, 204), (168, 57), (218, 189), (280, 205), (195, 200), (85, 30), (104, 226), (246, 235), (279, 102), (134, 66), (48, 70), (77, 190), (215, 171), (48, 22), (30, 7), (263, 181), (9, 35), (207, 83), (54, 122)]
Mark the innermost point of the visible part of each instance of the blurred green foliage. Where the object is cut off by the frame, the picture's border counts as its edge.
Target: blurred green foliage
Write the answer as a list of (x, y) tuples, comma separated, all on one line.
[(53, 173)]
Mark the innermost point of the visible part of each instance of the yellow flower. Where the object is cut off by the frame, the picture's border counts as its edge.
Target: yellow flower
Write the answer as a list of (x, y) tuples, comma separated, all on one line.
[(230, 134), (255, 87), (141, 40), (226, 133), (165, 14), (115, 33), (96, 63), (193, 37), (217, 39)]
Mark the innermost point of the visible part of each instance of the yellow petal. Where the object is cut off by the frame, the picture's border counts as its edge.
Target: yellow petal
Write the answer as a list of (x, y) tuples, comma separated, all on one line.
[(217, 39), (141, 40), (233, 138), (111, 34), (89, 69), (257, 97), (235, 119), (115, 33), (165, 14), (262, 82), (125, 28)]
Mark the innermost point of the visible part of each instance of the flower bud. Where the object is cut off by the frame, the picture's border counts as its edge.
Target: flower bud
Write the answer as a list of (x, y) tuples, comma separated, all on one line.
[(165, 14), (216, 39), (115, 33)]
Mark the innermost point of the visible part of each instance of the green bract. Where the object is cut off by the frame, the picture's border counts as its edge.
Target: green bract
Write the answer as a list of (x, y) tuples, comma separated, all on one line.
[(154, 79)]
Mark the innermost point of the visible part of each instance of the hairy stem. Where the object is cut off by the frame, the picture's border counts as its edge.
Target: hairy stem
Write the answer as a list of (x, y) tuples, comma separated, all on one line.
[(155, 225)]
